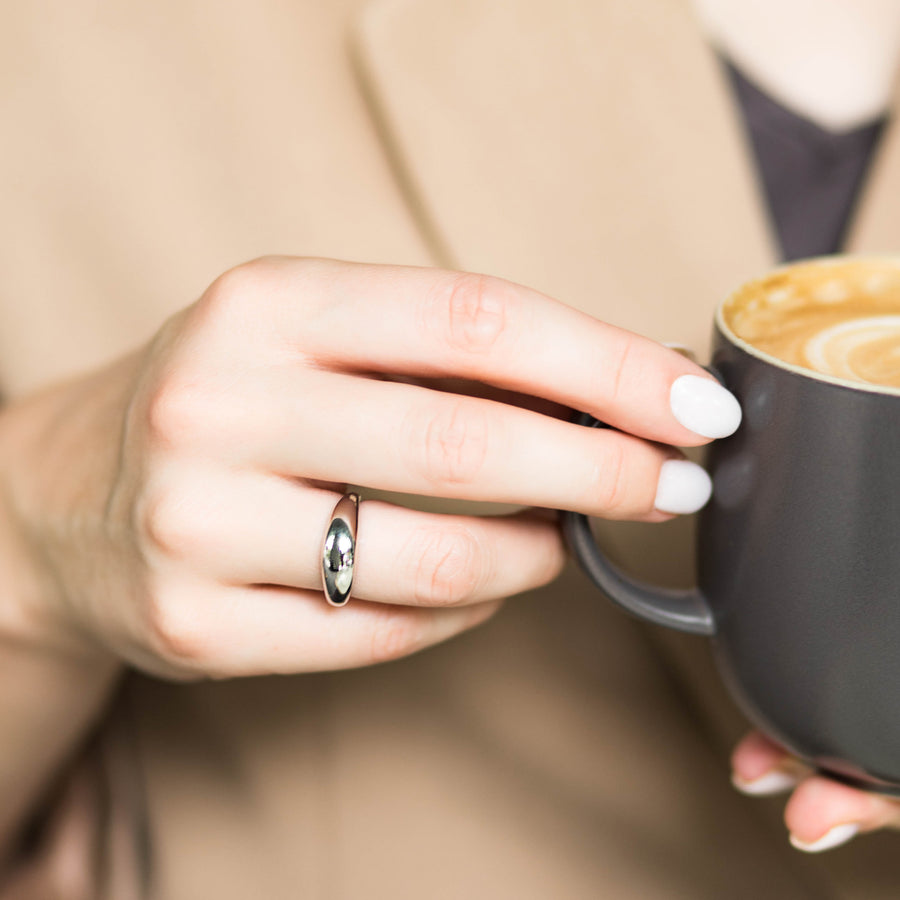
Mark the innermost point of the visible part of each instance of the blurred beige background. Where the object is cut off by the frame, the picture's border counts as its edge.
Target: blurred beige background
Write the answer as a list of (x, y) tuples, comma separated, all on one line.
[(588, 148)]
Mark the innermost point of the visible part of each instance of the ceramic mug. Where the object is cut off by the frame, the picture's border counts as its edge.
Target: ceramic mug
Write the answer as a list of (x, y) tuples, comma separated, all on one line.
[(798, 556)]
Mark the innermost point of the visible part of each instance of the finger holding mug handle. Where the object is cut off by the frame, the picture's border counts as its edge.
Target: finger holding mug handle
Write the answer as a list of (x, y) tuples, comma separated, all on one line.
[(684, 610), (796, 550)]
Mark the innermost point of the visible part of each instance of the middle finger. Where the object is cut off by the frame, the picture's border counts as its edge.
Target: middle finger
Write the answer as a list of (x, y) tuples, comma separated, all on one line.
[(402, 437)]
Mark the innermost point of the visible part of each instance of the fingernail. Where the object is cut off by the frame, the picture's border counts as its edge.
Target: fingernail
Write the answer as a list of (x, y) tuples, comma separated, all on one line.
[(774, 782), (684, 487), (838, 835), (703, 406)]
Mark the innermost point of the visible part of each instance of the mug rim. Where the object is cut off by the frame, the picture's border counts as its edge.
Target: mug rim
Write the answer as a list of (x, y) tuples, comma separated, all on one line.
[(830, 260)]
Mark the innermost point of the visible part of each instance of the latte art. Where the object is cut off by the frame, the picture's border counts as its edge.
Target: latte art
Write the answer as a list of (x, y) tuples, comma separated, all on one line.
[(836, 317), (862, 349)]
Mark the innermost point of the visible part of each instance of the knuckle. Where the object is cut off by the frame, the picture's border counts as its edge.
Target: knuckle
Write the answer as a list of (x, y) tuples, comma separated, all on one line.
[(621, 370), (448, 568), (174, 410), (473, 311), (617, 372), (394, 635), (451, 442), (610, 480), (170, 524), (175, 632), (238, 287), (235, 298)]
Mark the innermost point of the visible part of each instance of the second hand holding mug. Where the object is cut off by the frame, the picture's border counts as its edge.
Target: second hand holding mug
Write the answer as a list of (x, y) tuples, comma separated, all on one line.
[(798, 550)]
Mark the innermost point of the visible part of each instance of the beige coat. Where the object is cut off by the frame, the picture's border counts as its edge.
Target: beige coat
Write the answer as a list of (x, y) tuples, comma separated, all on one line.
[(588, 148)]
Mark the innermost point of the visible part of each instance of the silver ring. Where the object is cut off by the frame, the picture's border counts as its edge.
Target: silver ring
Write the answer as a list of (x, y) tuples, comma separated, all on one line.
[(339, 551)]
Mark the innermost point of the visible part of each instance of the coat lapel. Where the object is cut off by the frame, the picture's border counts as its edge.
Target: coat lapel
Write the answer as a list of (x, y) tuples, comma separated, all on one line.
[(588, 148)]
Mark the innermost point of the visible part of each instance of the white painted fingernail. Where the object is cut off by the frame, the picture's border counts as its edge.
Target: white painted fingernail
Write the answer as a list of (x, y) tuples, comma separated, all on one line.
[(684, 487), (838, 835), (703, 406), (774, 782)]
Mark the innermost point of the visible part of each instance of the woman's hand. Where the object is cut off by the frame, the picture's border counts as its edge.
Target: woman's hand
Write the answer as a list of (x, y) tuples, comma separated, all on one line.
[(171, 507), (821, 813)]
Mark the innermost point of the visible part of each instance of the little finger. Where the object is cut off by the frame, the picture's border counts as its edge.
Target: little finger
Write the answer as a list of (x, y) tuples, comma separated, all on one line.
[(237, 632)]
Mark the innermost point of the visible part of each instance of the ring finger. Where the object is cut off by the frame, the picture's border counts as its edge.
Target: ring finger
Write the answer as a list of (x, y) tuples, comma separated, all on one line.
[(259, 529)]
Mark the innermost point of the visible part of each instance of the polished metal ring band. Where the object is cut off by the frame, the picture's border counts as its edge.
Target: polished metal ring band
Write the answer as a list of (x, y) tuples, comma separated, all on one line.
[(339, 551)]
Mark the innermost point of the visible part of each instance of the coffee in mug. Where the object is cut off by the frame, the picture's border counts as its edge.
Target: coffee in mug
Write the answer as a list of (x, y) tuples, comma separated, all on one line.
[(797, 551), (832, 316)]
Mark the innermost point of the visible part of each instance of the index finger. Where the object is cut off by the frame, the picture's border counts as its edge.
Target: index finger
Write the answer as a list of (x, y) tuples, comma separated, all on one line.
[(432, 322)]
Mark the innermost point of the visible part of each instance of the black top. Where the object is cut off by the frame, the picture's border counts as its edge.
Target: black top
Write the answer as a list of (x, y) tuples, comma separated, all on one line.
[(811, 176)]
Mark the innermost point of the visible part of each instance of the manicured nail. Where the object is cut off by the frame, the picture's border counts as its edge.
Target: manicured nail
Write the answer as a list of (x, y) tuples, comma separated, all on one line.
[(838, 835), (703, 406), (684, 487), (774, 782)]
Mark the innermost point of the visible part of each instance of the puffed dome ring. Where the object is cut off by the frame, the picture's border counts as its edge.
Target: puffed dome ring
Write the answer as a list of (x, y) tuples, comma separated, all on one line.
[(339, 551)]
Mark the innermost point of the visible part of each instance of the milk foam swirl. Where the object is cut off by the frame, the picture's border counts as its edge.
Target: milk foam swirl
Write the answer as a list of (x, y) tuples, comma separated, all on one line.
[(865, 349), (837, 317)]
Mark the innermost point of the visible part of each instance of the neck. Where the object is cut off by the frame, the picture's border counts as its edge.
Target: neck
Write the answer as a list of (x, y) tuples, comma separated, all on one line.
[(832, 61)]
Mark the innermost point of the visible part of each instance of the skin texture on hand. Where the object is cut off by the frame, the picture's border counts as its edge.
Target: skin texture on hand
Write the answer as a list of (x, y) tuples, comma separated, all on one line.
[(167, 511), (154, 513), (192, 481)]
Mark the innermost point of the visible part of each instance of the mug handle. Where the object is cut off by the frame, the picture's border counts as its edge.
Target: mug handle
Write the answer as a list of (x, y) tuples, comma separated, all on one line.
[(684, 610)]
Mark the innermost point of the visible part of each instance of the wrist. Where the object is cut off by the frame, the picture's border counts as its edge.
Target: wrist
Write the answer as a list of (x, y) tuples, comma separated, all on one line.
[(57, 451)]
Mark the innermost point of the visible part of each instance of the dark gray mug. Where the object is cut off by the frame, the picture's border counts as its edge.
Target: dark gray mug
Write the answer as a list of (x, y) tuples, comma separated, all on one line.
[(798, 564)]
